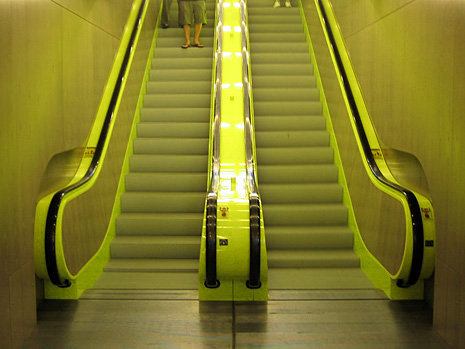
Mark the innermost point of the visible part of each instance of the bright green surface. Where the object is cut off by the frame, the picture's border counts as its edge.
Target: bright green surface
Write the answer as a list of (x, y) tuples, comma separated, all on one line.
[(233, 204)]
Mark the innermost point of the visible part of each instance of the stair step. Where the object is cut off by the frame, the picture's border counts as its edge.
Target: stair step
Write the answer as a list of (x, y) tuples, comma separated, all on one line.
[(288, 108), (284, 47), (175, 114), (292, 138), (288, 156), (170, 145), (157, 247), (179, 100), (180, 63), (295, 27), (141, 181), (181, 74), (299, 215), (175, 31), (286, 94), (152, 265), (309, 237), (167, 52), (284, 174), (175, 202), (267, 10), (277, 81), (290, 123), (168, 163), (173, 129), (172, 87), (178, 41), (300, 193), (312, 259), (282, 69), (181, 224), (280, 18), (277, 37), (274, 58)]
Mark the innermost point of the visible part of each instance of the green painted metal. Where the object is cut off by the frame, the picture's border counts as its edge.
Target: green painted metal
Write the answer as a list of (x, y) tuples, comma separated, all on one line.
[(233, 238), (377, 273), (87, 276)]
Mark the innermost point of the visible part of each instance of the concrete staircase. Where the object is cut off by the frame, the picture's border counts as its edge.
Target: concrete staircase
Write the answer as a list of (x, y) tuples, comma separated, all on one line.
[(159, 230), (308, 241)]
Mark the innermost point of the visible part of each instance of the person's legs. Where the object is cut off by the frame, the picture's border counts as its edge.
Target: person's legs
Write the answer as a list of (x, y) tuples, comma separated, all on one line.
[(197, 30), (199, 13), (187, 35), (165, 13)]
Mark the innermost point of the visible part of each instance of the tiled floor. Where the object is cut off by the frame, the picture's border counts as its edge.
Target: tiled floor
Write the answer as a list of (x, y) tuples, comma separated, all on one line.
[(323, 319)]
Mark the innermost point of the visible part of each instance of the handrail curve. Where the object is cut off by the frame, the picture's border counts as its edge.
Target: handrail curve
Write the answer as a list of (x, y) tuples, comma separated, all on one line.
[(413, 266), (109, 105)]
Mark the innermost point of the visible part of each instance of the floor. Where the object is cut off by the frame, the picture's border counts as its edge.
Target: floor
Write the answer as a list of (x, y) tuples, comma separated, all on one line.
[(297, 319)]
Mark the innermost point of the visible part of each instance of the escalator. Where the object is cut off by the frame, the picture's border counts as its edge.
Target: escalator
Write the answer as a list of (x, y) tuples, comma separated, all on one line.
[(309, 243), (158, 232)]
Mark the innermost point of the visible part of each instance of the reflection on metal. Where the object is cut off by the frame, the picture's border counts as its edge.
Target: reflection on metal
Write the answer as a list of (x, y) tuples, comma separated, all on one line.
[(254, 198), (407, 170), (60, 170)]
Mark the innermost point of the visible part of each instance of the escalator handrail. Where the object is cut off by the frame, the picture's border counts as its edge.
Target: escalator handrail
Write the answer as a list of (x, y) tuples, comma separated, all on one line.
[(254, 197), (212, 195), (105, 133), (415, 211)]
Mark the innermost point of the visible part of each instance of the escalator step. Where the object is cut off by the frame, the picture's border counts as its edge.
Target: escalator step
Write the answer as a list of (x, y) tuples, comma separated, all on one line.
[(292, 138), (309, 237), (301, 193), (182, 182), (169, 163), (170, 145), (156, 247), (182, 224), (313, 259), (298, 215), (290, 123), (173, 129), (294, 156), (187, 202)]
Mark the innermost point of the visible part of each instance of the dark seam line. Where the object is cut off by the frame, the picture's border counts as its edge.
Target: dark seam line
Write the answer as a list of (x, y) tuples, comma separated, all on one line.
[(93, 24), (379, 19), (233, 324)]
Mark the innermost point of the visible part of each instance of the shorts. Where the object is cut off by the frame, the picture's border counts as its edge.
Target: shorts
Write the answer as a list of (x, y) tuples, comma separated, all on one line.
[(191, 11)]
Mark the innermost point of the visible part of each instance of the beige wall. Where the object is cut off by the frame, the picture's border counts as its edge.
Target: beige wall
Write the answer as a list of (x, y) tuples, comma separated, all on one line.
[(55, 59), (408, 56)]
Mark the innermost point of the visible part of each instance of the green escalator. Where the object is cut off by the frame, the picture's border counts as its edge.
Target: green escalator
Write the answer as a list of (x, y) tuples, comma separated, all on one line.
[(159, 230), (309, 243)]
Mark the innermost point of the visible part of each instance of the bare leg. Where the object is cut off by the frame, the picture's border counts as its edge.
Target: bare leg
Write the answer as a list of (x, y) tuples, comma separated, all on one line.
[(197, 30), (187, 33)]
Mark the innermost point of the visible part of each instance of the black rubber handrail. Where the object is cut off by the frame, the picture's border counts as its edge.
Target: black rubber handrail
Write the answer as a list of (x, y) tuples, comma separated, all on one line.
[(52, 215), (415, 211), (254, 197), (212, 195)]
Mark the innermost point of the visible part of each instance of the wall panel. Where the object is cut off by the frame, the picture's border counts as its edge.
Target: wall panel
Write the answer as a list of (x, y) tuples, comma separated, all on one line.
[(408, 56), (50, 68)]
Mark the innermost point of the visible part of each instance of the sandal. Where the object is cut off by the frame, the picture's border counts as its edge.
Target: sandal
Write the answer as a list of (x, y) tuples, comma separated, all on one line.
[(185, 46), (198, 45)]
